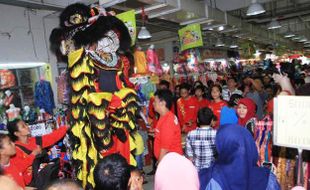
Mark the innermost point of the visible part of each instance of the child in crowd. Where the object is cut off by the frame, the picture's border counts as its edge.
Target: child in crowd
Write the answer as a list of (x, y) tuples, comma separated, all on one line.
[(187, 107), (13, 169), (217, 102), (139, 148), (200, 143), (200, 96), (136, 180)]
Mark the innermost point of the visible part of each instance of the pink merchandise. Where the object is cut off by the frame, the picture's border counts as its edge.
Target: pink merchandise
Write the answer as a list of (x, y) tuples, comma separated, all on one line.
[(153, 62)]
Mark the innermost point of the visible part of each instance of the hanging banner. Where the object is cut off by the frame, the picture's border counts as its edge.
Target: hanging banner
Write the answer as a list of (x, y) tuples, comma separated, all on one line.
[(190, 37), (129, 19)]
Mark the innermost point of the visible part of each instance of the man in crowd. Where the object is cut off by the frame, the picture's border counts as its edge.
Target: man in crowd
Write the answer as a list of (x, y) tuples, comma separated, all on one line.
[(163, 84), (231, 89), (167, 131)]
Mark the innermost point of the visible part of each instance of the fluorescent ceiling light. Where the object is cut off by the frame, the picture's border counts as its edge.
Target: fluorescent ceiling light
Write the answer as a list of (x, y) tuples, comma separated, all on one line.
[(109, 3), (144, 33), (233, 46), (219, 43), (255, 9), (289, 35), (303, 40), (198, 21), (220, 28), (20, 65), (212, 26), (296, 38), (274, 24)]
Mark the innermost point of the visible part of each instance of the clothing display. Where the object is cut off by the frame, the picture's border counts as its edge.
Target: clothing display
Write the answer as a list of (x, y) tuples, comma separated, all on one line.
[(140, 62), (148, 89), (153, 63), (263, 139), (63, 88), (44, 97)]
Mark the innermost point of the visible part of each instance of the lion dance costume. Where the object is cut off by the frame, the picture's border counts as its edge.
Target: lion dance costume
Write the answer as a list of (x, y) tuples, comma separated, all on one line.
[(102, 107)]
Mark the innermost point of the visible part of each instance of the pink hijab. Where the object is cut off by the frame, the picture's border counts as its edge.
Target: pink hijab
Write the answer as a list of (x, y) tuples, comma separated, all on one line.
[(176, 172)]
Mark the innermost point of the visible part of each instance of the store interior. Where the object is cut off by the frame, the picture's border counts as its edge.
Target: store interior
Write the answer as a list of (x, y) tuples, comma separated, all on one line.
[(231, 34)]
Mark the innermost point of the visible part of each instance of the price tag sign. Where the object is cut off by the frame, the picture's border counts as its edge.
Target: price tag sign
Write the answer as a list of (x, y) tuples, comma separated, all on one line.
[(38, 129), (292, 122)]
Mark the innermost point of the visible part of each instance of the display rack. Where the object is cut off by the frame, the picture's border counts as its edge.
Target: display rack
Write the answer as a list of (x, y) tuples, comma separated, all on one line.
[(25, 82)]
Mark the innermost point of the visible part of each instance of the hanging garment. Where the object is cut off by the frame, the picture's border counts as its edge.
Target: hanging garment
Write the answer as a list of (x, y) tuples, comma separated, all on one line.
[(263, 139), (148, 89), (140, 62), (153, 62), (44, 97), (63, 88)]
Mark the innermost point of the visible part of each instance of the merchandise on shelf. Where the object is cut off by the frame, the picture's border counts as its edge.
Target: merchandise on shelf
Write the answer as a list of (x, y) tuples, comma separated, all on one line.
[(7, 79)]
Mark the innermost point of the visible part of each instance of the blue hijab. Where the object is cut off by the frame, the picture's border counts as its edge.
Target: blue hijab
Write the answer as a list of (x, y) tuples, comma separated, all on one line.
[(228, 116), (236, 167)]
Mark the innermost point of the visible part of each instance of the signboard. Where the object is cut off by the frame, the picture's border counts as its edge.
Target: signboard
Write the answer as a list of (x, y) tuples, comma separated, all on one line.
[(38, 129), (129, 19), (292, 122), (190, 36)]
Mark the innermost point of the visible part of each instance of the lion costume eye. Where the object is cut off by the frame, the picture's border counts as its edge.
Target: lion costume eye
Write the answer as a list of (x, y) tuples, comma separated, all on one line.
[(76, 19)]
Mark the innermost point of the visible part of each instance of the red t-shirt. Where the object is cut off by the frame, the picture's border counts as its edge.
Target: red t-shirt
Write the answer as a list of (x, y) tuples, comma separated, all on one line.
[(187, 112), (216, 107), (203, 103), (15, 171), (47, 140), (167, 135)]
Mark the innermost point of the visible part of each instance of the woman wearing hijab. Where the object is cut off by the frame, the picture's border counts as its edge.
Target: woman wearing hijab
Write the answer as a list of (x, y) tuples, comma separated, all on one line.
[(175, 172), (236, 168), (246, 111)]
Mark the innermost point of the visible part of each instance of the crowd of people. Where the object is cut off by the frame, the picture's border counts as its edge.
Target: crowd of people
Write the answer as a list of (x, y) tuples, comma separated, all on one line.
[(204, 136)]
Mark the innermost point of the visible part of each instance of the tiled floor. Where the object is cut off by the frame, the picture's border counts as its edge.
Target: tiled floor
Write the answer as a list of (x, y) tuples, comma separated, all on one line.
[(149, 179)]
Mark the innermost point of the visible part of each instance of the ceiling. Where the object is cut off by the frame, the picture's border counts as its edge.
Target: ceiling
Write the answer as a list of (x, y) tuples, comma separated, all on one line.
[(167, 16)]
